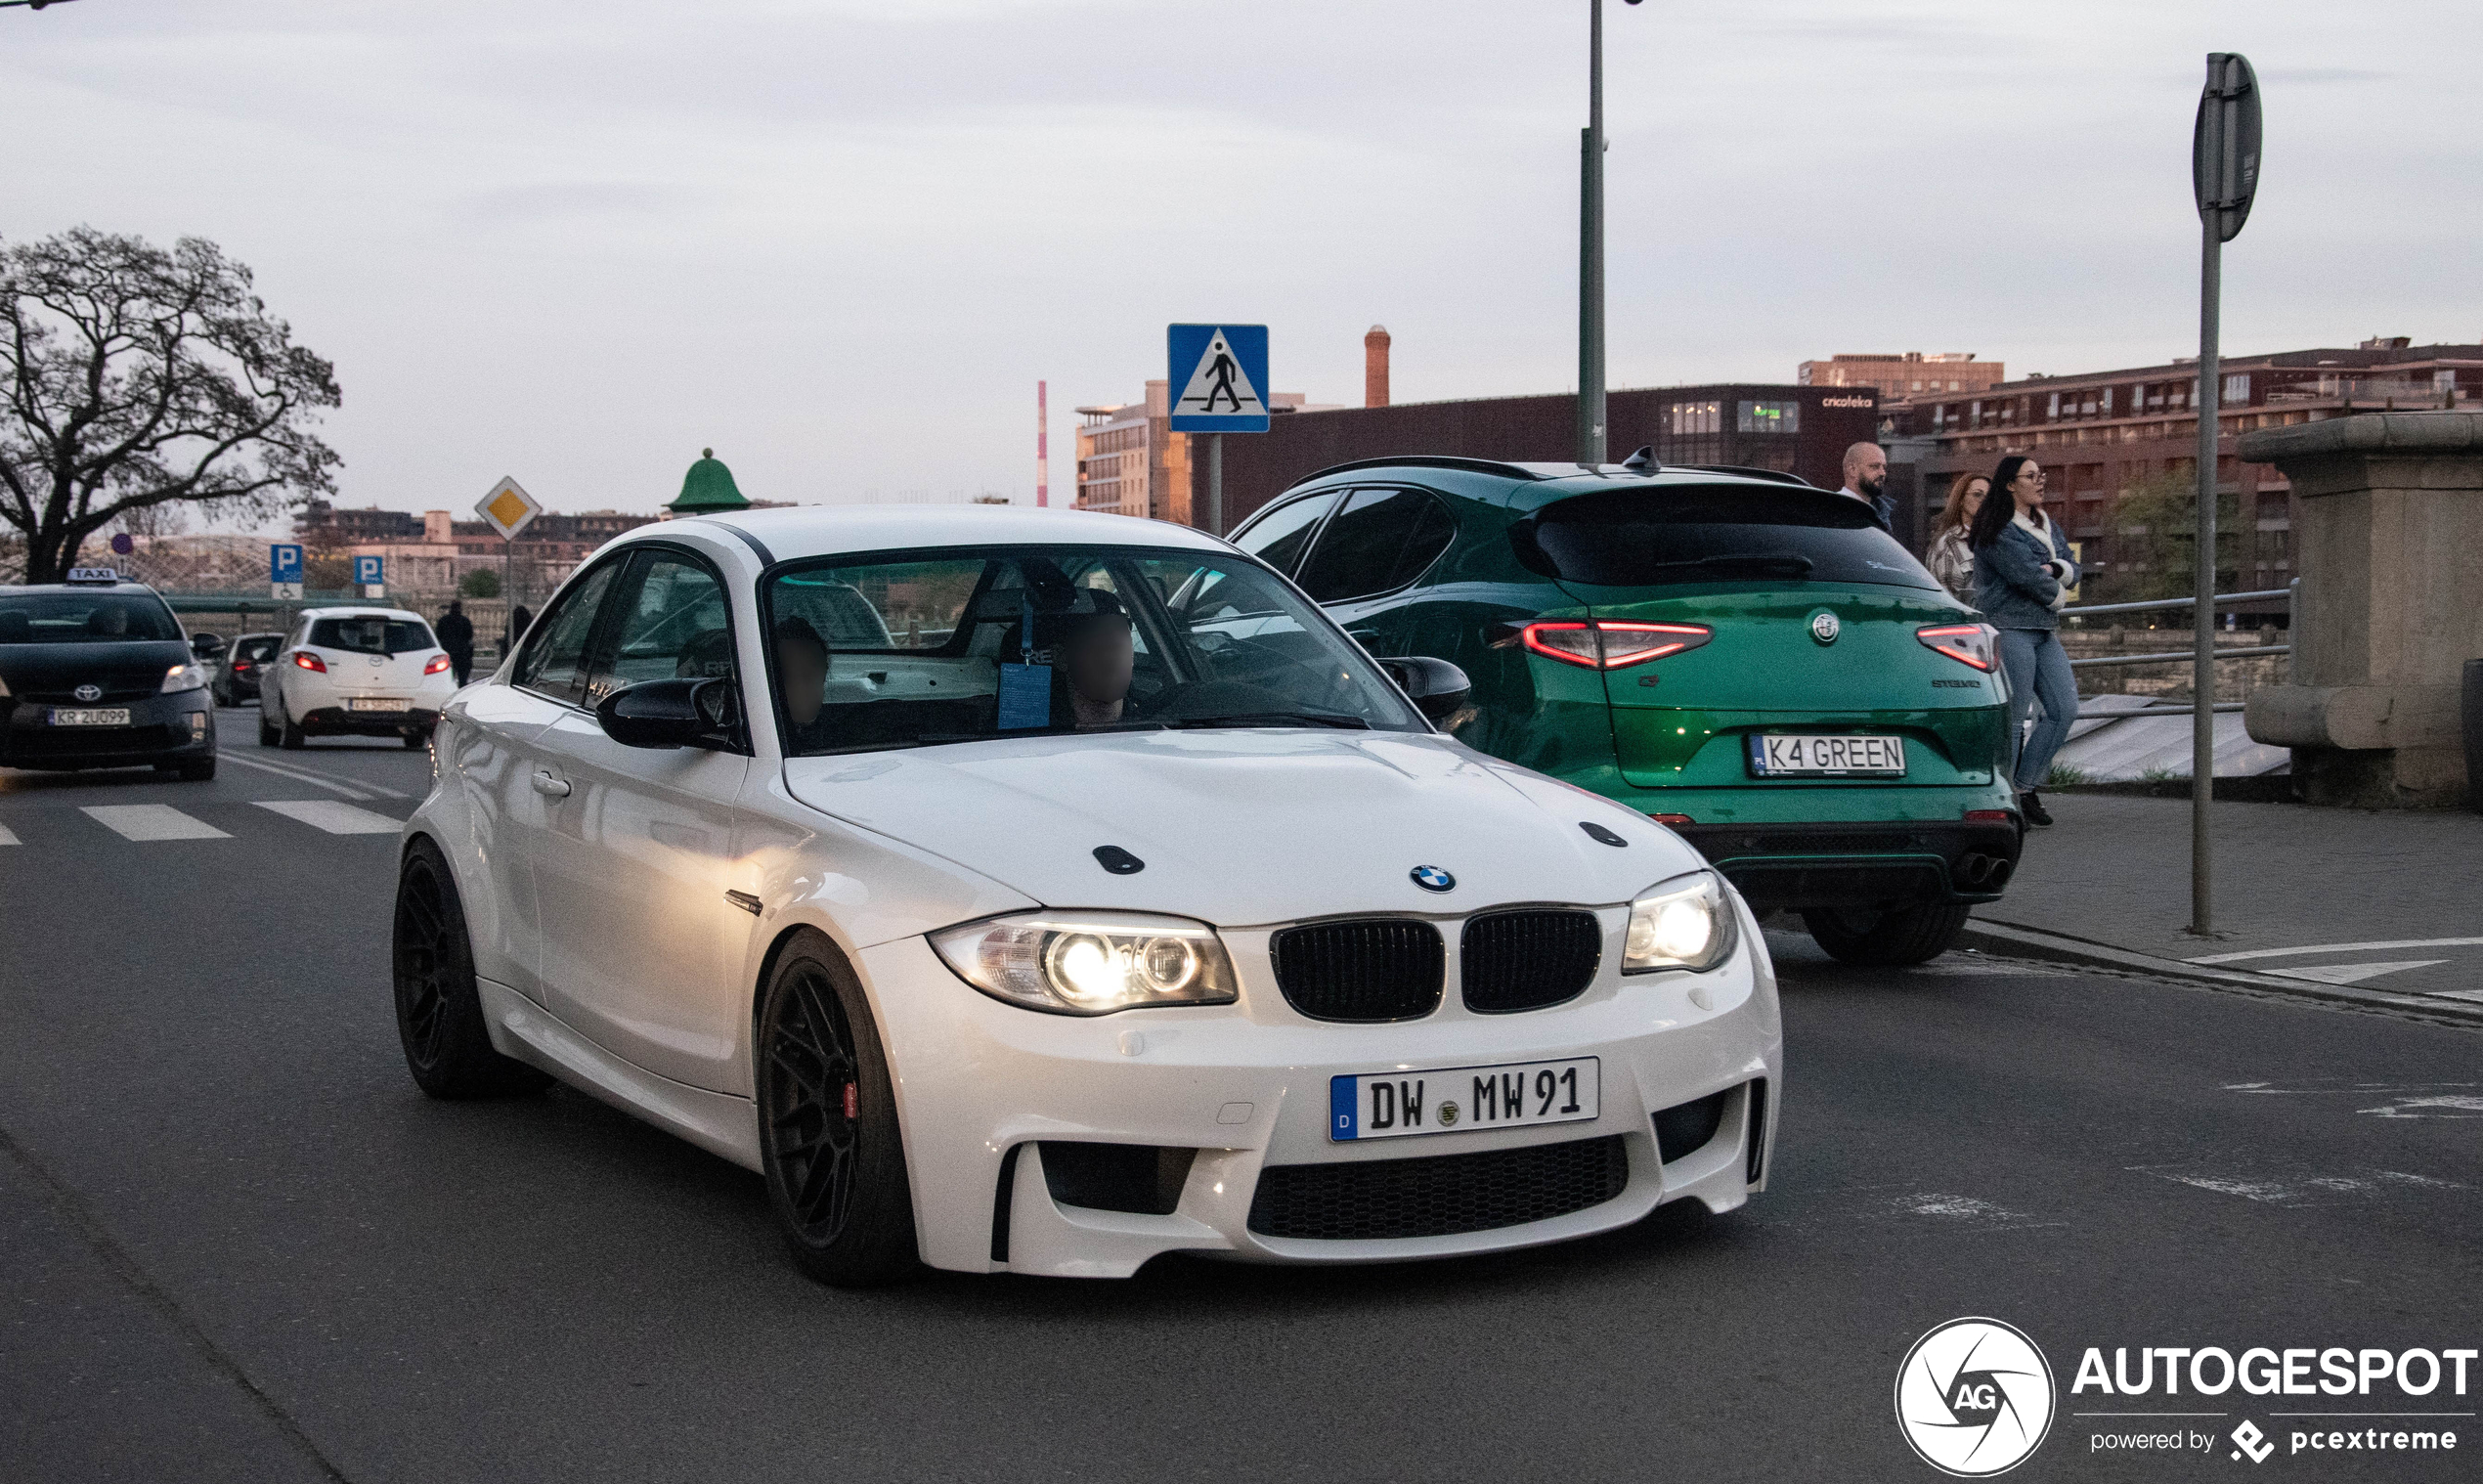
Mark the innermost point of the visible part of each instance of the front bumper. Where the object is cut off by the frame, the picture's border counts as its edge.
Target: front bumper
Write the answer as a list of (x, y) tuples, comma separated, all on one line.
[(162, 729), (1235, 1090)]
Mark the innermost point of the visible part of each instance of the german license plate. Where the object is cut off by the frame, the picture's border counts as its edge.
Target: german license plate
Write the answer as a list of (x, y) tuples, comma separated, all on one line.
[(90, 716), (1782, 755), (378, 703), (1392, 1105)]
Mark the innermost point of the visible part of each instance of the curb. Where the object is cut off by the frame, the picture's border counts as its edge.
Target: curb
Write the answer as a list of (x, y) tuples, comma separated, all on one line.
[(2011, 940)]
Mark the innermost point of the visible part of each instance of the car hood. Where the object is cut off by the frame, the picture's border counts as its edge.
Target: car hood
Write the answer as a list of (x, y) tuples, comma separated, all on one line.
[(1248, 827), (121, 669)]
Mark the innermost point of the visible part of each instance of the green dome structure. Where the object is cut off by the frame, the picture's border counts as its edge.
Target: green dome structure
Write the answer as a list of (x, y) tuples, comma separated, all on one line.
[(708, 488)]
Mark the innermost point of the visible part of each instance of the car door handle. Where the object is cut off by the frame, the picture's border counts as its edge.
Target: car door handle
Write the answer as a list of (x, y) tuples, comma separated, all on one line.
[(550, 787)]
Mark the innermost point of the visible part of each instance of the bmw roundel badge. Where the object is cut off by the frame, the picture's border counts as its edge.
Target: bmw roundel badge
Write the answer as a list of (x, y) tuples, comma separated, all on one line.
[(1823, 626), (1432, 879)]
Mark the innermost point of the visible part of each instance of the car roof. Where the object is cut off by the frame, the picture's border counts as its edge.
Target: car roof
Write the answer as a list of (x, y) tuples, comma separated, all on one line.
[(119, 587), (363, 613), (832, 530), (1565, 479)]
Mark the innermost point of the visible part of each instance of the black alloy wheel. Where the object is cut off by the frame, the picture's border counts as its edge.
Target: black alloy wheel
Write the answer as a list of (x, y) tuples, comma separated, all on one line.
[(828, 1132), (439, 1014)]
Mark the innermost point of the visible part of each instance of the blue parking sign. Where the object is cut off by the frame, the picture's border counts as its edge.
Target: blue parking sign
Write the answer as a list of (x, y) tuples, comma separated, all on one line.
[(366, 571), (283, 563)]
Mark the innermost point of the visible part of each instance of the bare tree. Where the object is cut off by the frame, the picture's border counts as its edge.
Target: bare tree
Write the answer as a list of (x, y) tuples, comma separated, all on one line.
[(136, 378)]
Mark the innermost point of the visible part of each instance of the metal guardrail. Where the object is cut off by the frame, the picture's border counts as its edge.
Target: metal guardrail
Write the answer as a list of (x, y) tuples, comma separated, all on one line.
[(2185, 656), (2160, 606)]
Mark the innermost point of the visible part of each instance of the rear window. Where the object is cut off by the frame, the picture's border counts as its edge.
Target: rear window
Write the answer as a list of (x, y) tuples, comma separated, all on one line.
[(84, 618), (372, 636), (1644, 537)]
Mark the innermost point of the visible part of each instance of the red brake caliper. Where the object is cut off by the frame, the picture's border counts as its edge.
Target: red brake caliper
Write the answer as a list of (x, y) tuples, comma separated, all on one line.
[(853, 1101)]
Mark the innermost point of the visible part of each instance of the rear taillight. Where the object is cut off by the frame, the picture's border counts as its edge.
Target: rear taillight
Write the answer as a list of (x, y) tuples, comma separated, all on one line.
[(310, 661), (1606, 644), (1672, 818), (1988, 816), (1976, 645), (439, 662), (240, 666)]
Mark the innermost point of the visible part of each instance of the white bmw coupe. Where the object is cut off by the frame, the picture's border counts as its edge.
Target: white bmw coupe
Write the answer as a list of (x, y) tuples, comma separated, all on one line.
[(1040, 891)]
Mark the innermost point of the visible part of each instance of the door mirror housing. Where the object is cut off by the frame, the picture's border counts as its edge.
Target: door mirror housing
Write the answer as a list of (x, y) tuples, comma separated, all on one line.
[(206, 646), (664, 714), (1437, 688)]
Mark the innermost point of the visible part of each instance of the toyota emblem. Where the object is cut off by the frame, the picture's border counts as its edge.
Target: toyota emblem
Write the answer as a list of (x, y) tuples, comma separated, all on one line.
[(89, 692)]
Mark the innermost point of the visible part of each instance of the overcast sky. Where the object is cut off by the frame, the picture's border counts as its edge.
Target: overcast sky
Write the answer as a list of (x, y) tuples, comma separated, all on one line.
[(841, 240)]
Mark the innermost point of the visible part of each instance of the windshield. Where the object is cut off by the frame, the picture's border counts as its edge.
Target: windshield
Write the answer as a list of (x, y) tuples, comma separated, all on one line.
[(372, 634), (1720, 532), (84, 618), (960, 644)]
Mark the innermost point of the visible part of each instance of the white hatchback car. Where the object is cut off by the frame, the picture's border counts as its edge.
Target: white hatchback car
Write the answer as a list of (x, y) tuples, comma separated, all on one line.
[(1041, 891), (354, 672)]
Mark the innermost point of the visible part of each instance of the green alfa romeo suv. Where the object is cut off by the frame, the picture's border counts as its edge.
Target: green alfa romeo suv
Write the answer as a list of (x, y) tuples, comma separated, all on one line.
[(1752, 661)]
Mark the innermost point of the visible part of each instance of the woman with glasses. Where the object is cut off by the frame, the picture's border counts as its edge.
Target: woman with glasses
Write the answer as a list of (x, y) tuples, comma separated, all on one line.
[(2023, 575)]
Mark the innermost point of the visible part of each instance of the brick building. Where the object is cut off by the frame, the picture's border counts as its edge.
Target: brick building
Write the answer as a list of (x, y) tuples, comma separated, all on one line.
[(1130, 461), (1910, 375), (2102, 434), (1801, 430)]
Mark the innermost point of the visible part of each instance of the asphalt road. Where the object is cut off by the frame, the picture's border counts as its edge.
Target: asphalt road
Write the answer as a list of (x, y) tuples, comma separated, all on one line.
[(235, 1244)]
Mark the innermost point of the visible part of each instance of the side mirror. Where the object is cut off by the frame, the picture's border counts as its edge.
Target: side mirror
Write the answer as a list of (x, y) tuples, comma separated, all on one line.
[(672, 713), (1437, 688), (206, 646)]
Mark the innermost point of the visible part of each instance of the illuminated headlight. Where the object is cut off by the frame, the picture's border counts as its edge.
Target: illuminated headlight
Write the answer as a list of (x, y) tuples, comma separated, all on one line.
[(185, 677), (1090, 963), (1686, 923)]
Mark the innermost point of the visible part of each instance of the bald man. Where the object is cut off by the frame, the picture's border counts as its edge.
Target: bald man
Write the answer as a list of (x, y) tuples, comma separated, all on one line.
[(1865, 472)]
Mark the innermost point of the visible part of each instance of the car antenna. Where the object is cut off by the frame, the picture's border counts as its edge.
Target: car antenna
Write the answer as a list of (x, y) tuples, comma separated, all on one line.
[(1642, 461)]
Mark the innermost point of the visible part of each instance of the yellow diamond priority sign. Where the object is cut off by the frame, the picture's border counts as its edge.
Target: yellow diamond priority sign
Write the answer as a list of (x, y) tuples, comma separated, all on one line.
[(509, 507)]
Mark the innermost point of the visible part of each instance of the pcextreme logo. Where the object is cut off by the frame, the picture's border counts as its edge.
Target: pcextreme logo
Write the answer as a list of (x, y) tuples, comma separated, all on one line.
[(1974, 1397)]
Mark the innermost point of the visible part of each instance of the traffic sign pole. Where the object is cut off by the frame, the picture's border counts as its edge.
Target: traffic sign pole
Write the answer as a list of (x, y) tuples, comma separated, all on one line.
[(1219, 385)]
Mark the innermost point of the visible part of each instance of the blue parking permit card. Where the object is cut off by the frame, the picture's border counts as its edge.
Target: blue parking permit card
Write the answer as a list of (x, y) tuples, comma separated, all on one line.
[(1026, 696)]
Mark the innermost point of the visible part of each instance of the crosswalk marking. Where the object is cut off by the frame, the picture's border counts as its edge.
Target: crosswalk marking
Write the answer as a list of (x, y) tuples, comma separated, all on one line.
[(335, 817), (150, 822), (7, 835)]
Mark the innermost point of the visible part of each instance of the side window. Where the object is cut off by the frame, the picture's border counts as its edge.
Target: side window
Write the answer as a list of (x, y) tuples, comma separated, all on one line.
[(1381, 539), (672, 625), (1278, 535), (555, 659)]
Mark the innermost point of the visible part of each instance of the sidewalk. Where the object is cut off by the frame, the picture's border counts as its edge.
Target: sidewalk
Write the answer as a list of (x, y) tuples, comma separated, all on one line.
[(2392, 901)]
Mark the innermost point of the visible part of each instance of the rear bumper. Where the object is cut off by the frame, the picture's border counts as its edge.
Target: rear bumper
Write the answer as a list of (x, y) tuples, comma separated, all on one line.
[(161, 729), (1862, 866), (336, 720)]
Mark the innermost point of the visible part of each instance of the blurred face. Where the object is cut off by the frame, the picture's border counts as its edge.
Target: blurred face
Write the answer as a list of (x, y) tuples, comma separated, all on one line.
[(2026, 489), (803, 670), (1867, 471), (1974, 493), (1096, 661)]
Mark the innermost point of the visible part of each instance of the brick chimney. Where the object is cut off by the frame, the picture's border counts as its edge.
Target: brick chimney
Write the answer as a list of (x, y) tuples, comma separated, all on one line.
[(1375, 366), (435, 528)]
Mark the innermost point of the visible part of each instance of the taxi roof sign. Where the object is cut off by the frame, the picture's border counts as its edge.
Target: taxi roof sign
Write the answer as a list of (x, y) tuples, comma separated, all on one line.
[(94, 574), (509, 508)]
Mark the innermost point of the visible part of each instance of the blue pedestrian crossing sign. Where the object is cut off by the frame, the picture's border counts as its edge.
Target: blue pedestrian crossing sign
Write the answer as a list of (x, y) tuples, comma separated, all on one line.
[(1219, 377), (283, 563), (366, 571)]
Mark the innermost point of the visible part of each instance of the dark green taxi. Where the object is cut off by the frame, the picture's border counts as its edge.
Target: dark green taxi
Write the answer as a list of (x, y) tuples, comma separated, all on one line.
[(1754, 661)]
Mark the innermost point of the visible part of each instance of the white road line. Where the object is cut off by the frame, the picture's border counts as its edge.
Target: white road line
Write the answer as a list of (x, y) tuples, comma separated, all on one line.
[(8, 836), (2352, 974), (2402, 942), (151, 822), (285, 772), (333, 817)]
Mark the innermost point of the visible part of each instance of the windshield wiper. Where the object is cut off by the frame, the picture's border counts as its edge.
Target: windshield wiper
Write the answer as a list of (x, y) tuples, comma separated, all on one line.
[(1793, 563), (1276, 718)]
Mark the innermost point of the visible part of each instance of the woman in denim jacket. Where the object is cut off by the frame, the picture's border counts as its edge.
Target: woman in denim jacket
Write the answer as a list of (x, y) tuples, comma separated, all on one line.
[(2023, 575)]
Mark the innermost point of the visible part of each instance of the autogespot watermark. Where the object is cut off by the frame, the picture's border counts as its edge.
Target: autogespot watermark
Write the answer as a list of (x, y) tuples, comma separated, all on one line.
[(1976, 1397)]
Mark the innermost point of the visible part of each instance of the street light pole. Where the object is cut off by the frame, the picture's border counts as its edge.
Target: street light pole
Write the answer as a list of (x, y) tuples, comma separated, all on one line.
[(1590, 399)]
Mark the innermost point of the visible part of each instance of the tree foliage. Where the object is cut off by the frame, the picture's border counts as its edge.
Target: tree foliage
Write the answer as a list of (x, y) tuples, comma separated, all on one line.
[(2155, 540), (137, 378)]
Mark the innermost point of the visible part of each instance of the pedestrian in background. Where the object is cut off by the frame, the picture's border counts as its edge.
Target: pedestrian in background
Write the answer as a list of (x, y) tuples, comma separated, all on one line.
[(1865, 477), (518, 620), (1951, 560), (457, 636), (2023, 575)]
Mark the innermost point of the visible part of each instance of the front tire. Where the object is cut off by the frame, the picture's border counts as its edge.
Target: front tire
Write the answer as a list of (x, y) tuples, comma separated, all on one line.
[(828, 1136), (439, 1013), (266, 729), (1905, 936)]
